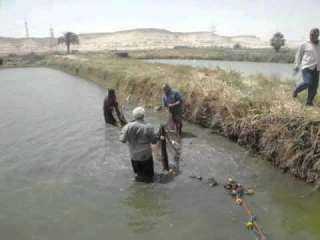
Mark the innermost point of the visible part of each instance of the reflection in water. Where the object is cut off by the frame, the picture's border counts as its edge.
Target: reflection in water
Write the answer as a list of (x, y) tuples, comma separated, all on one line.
[(146, 205)]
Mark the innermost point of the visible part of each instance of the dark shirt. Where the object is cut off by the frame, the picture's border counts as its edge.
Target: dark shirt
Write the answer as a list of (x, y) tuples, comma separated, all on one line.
[(172, 97), (110, 102)]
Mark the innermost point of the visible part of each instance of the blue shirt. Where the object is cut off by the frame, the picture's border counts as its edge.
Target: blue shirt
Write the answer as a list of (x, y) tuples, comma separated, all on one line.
[(172, 97)]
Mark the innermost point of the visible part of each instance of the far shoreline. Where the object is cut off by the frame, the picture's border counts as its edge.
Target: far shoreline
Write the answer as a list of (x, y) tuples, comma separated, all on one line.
[(253, 55)]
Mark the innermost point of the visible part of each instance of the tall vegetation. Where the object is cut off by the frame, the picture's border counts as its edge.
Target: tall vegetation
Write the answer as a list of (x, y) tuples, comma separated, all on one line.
[(277, 41), (68, 38)]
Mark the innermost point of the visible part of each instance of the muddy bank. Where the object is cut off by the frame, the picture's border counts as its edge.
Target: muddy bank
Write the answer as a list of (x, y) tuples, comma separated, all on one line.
[(265, 120)]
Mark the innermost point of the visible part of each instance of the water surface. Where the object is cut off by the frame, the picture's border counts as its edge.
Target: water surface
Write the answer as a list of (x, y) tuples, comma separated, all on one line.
[(64, 175), (277, 70)]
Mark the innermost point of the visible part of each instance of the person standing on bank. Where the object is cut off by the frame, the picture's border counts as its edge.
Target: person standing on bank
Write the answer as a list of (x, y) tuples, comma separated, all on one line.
[(172, 100), (110, 105), (140, 135), (308, 59)]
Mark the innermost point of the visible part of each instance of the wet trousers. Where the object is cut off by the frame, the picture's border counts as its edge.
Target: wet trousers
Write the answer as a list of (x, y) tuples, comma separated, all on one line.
[(109, 118), (143, 170)]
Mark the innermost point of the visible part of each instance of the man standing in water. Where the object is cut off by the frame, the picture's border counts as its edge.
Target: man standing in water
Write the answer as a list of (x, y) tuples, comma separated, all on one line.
[(308, 59), (139, 135), (173, 101), (110, 105)]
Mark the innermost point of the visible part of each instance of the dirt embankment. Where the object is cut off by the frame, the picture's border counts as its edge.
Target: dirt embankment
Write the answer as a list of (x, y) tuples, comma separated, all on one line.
[(257, 113)]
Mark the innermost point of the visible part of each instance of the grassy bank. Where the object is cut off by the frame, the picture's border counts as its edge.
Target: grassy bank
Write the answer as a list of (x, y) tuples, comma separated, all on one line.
[(256, 112), (227, 54), (14, 60)]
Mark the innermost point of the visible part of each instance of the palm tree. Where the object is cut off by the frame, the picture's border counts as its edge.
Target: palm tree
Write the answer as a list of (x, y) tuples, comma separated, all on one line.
[(68, 38), (277, 41)]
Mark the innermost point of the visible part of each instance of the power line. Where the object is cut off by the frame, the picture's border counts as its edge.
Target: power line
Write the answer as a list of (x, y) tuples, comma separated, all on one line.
[(26, 29), (51, 32)]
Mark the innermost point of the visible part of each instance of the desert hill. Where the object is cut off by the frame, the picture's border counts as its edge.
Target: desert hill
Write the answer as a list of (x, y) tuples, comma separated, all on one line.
[(148, 38)]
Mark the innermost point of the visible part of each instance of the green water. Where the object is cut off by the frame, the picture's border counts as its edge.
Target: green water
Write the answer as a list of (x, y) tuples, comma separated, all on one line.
[(65, 175)]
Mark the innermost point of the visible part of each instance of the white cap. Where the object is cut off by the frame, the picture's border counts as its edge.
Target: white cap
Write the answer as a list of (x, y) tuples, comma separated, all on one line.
[(138, 113)]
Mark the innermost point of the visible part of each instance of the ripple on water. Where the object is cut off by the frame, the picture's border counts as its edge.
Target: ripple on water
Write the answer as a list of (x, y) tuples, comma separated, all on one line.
[(64, 174)]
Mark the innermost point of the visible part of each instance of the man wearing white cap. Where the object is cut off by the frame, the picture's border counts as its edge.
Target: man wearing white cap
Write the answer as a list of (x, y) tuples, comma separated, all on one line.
[(140, 135)]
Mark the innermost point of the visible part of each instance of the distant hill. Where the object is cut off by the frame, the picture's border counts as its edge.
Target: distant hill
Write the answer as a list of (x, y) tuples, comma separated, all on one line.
[(147, 38)]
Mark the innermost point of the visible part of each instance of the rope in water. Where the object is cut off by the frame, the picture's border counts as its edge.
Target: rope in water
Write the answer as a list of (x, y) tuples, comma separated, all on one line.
[(255, 224), (237, 191)]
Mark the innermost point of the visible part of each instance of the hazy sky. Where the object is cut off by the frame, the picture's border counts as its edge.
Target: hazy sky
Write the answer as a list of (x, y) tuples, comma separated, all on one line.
[(230, 17)]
